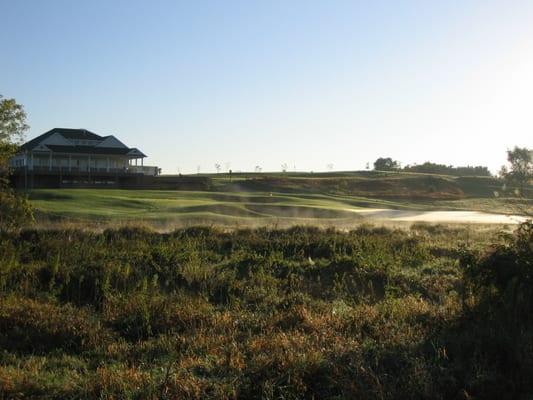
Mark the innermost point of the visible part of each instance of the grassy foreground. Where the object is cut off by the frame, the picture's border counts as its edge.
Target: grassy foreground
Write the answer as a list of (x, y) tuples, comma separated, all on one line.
[(300, 313)]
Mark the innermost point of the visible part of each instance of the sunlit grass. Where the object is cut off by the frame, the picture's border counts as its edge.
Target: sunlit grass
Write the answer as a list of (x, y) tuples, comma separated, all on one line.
[(184, 207)]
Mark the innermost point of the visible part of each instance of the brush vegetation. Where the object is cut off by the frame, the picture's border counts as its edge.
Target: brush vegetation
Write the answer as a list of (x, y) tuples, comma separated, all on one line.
[(431, 312)]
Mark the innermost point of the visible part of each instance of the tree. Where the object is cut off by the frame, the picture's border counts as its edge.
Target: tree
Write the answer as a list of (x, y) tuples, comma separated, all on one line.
[(520, 170), (12, 121), (386, 164), (14, 208), (433, 168)]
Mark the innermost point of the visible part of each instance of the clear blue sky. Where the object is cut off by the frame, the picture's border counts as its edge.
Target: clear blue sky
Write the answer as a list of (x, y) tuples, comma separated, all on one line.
[(307, 83)]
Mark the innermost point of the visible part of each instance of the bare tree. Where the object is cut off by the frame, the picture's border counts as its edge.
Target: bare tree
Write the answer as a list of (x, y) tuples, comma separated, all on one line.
[(217, 167)]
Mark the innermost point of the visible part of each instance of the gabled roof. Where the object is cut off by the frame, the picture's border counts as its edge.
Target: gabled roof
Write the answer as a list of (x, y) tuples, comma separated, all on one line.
[(136, 152), (89, 150), (67, 133), (83, 134), (107, 144)]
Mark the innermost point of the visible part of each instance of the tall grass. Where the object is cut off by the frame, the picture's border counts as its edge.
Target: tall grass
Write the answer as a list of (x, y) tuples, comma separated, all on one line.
[(259, 313)]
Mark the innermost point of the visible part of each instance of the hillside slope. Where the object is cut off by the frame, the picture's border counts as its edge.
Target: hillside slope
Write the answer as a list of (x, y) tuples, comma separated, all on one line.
[(370, 184)]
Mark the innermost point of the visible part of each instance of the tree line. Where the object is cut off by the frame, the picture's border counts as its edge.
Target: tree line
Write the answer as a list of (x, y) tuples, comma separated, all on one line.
[(388, 164), (518, 172)]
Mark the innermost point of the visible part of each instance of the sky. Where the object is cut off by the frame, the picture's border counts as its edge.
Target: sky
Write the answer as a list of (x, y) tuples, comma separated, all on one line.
[(306, 83)]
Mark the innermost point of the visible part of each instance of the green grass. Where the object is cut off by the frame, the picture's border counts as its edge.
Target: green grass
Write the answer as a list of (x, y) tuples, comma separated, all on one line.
[(229, 208), (147, 204), (276, 199)]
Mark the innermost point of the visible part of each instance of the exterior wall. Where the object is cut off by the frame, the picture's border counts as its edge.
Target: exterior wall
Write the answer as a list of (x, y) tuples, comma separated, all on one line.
[(18, 161), (39, 161), (145, 170), (77, 162)]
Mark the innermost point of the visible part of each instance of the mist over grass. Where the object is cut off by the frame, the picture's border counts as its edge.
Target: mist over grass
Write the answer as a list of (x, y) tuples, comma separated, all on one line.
[(167, 210)]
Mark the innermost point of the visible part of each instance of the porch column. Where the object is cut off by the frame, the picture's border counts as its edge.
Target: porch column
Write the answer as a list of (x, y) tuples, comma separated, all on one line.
[(107, 159), (69, 163), (142, 159), (89, 168), (31, 161), (136, 160), (26, 170), (50, 162)]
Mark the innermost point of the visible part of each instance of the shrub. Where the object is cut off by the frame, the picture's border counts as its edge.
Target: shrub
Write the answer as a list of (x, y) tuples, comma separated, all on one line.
[(35, 326), (141, 315)]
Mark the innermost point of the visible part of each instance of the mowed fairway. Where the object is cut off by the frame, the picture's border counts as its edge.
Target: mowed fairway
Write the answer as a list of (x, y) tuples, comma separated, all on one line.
[(194, 207), (186, 205)]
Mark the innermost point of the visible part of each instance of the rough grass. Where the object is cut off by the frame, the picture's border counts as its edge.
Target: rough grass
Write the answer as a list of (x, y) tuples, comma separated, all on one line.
[(203, 313)]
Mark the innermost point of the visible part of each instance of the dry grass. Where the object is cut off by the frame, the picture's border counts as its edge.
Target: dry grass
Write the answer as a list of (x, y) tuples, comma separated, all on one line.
[(209, 313)]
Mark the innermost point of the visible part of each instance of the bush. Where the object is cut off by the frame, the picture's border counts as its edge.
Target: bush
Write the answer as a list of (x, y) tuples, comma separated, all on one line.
[(28, 325), (502, 279), (140, 316), (490, 347)]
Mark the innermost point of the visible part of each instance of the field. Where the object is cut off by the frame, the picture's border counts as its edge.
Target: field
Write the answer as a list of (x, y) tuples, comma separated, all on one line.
[(276, 200), (300, 313), (144, 294)]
